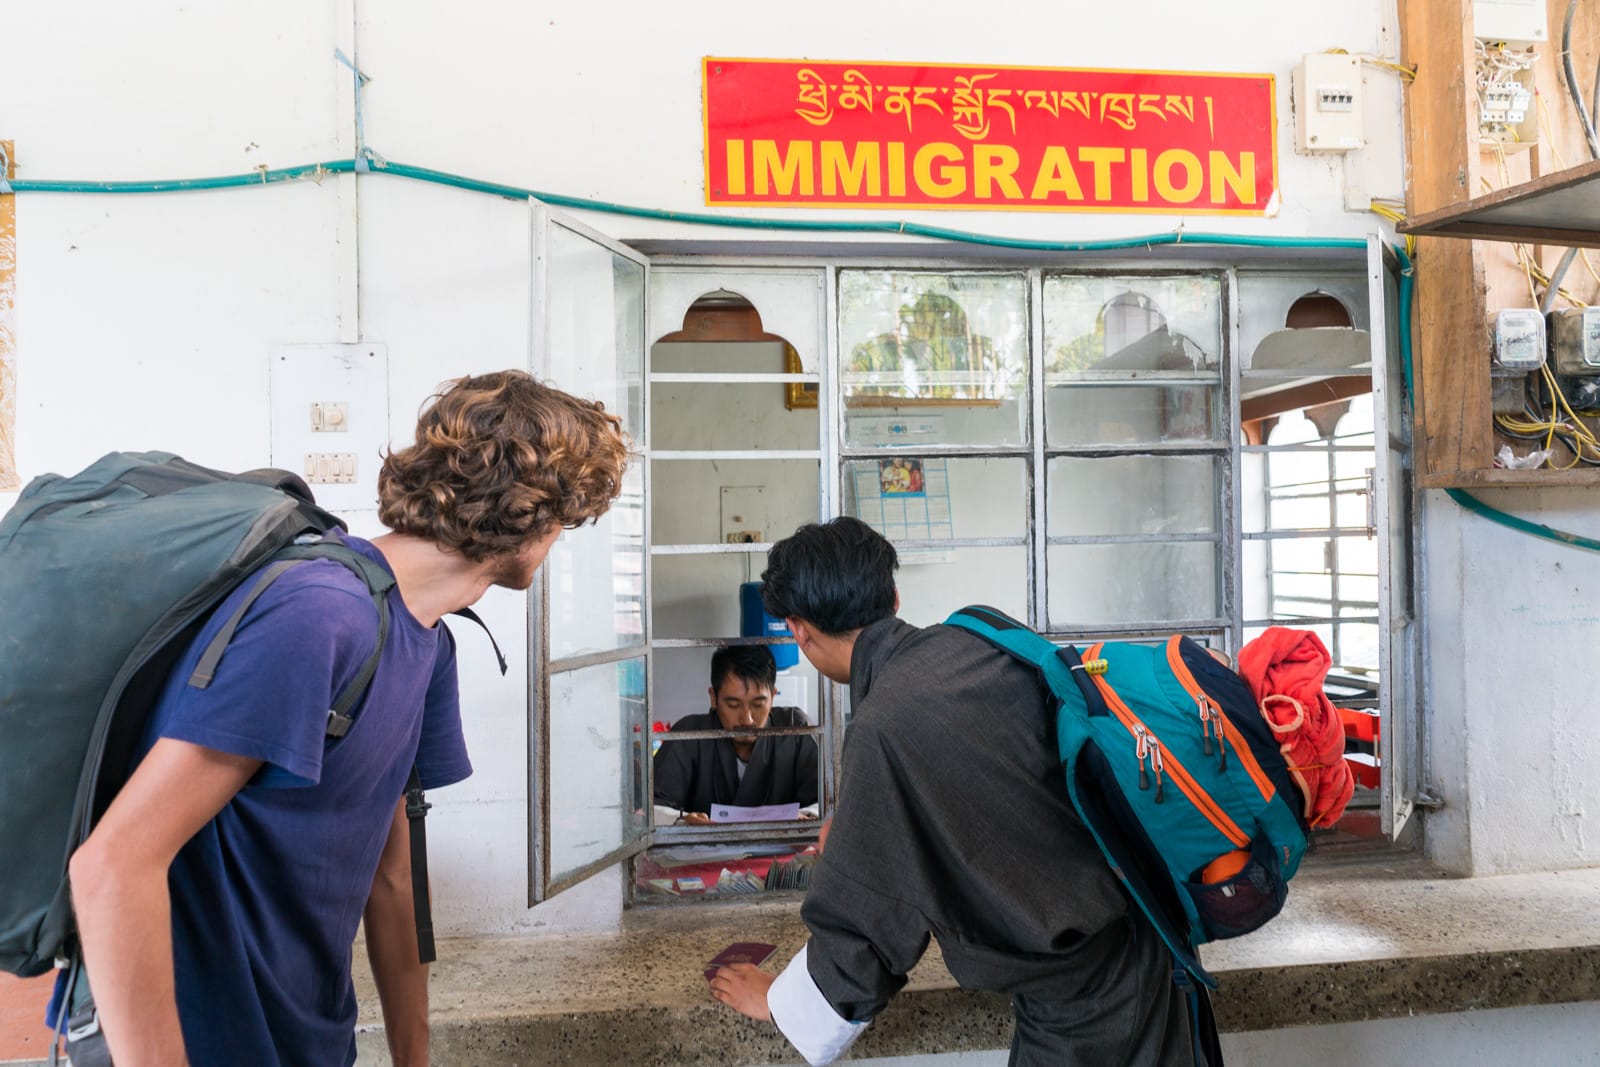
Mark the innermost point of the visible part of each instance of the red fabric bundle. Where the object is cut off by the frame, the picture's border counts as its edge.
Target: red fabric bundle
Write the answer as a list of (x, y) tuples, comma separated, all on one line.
[(1285, 669)]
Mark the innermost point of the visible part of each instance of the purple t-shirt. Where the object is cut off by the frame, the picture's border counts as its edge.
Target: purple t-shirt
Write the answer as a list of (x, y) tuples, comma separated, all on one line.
[(266, 898)]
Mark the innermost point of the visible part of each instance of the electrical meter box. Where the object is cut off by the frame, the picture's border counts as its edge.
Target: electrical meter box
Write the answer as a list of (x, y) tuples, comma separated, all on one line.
[(1327, 103), (1516, 341), (1575, 340)]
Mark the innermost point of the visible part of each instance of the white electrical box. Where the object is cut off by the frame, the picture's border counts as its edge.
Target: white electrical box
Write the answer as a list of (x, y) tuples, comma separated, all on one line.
[(1510, 20), (1575, 341), (1327, 103), (1517, 340), (330, 419)]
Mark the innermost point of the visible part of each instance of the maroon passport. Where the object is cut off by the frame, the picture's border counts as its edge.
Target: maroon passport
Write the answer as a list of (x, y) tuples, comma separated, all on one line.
[(739, 952)]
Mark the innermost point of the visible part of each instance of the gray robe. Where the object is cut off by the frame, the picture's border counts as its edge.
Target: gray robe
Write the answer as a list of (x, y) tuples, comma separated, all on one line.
[(954, 823), (693, 775)]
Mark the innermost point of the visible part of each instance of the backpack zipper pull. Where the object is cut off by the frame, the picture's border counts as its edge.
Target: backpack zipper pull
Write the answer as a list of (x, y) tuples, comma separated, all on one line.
[(1205, 724), (1155, 765), (1222, 741), (1141, 751)]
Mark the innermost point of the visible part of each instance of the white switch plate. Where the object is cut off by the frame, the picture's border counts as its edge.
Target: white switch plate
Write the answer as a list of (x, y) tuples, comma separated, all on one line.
[(330, 416), (330, 468), (309, 384), (744, 514)]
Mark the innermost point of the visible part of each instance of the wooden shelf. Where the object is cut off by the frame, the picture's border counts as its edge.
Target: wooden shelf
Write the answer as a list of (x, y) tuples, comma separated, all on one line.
[(1557, 209), (1497, 478)]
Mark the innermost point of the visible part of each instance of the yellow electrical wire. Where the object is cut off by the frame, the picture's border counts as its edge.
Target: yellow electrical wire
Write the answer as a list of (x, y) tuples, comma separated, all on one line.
[(1407, 74), (1386, 210), (1573, 434)]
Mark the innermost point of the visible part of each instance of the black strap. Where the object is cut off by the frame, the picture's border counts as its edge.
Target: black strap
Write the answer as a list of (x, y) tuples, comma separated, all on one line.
[(421, 907), (1091, 692), (281, 480), (1206, 1041), (206, 669), (379, 581), (472, 616)]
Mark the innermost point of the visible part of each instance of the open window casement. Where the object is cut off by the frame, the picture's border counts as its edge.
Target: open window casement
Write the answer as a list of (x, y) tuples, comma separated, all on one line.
[(589, 618), (1393, 522), (1316, 345)]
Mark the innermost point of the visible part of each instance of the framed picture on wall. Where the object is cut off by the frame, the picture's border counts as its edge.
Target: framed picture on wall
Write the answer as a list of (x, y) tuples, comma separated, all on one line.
[(797, 394)]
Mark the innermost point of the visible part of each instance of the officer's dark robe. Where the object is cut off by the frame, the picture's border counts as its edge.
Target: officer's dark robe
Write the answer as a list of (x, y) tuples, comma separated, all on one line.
[(693, 775), (954, 823)]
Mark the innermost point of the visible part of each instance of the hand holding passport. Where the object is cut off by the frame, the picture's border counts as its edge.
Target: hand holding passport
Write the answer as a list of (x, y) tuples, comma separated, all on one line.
[(751, 952)]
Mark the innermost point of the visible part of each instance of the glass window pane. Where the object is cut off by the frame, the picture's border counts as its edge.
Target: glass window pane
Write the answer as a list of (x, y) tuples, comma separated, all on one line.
[(932, 585), (698, 596), (1354, 465), (1307, 510), (1359, 592), (719, 357), (595, 566), (934, 498), (1300, 554), (1082, 415), (595, 316), (682, 683), (1358, 647), (1352, 504), (1097, 585), (1101, 333), (1305, 588), (770, 497), (1358, 555), (597, 753), (1132, 495), (1121, 326), (1254, 581), (727, 417), (953, 342)]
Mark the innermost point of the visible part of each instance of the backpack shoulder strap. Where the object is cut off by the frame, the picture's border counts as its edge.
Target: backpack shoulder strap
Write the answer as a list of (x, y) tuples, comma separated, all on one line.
[(1060, 665), (378, 581), (472, 616)]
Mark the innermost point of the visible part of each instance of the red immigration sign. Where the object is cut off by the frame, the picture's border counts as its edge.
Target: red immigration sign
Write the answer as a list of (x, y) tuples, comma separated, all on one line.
[(796, 133)]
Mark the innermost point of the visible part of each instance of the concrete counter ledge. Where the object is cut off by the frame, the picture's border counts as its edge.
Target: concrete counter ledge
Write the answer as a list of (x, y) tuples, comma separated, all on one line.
[(1381, 938)]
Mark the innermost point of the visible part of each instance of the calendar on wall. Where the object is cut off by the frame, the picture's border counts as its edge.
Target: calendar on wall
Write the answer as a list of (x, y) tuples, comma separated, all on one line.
[(905, 500)]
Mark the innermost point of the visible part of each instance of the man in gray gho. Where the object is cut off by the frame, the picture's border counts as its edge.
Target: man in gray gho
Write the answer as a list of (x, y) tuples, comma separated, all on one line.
[(954, 823)]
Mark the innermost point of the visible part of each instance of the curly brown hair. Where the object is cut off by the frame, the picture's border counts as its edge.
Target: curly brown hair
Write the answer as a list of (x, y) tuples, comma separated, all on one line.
[(499, 459)]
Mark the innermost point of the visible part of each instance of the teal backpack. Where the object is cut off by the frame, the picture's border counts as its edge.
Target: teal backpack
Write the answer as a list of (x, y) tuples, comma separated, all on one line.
[(1177, 775)]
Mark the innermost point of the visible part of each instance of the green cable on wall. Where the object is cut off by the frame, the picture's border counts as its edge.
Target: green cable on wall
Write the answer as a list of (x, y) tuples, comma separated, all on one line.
[(375, 165)]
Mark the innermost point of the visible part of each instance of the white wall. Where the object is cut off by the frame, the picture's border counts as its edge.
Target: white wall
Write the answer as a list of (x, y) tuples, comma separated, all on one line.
[(1511, 725)]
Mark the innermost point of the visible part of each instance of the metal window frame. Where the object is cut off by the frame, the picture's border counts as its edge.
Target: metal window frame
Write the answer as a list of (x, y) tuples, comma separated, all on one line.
[(832, 454), (829, 738), (543, 883)]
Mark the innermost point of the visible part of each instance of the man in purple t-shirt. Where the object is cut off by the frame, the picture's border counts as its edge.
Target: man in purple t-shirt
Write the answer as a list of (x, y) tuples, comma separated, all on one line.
[(218, 898)]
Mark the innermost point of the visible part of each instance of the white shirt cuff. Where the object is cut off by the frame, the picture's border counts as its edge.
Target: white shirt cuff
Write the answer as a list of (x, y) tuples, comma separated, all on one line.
[(806, 1018)]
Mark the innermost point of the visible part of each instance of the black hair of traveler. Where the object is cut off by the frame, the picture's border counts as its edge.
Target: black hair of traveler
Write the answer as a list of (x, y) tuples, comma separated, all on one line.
[(753, 663), (837, 575)]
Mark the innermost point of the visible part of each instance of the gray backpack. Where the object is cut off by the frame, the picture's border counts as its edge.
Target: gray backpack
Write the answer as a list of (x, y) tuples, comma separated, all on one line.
[(105, 578)]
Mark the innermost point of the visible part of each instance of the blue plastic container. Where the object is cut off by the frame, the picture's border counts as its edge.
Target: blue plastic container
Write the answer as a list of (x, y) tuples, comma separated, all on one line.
[(755, 622)]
